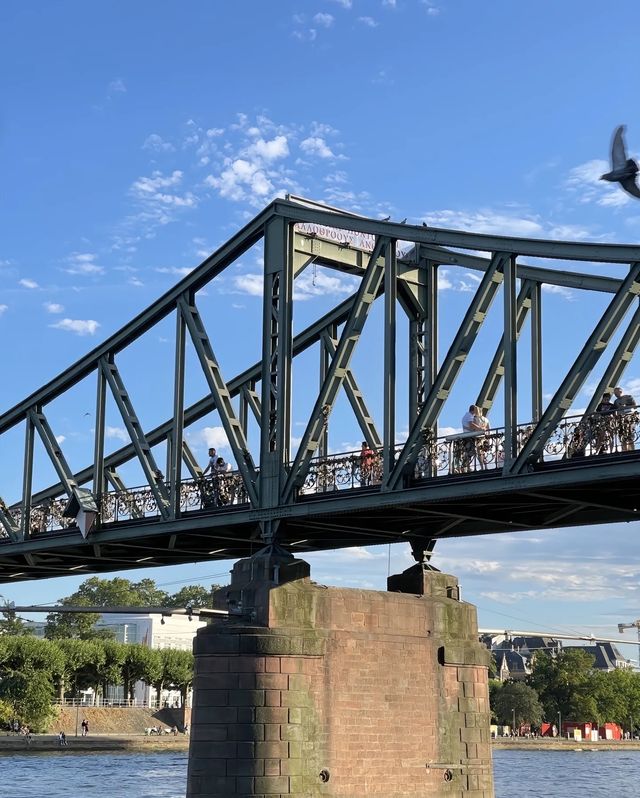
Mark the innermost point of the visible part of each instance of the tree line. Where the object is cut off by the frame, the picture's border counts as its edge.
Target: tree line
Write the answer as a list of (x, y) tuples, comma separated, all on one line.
[(567, 686), (75, 654)]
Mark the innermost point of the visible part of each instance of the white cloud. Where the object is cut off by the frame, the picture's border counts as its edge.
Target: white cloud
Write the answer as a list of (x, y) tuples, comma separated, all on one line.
[(368, 22), (486, 221), (135, 281), (150, 190), (53, 307), (116, 87), (118, 433), (60, 438), (270, 150), (3, 308), (27, 283), (559, 290), (214, 437), (315, 145), (83, 263), (584, 180), (77, 326), (240, 180), (156, 143), (432, 9), (344, 3), (306, 286), (325, 20), (389, 3), (178, 271), (251, 284)]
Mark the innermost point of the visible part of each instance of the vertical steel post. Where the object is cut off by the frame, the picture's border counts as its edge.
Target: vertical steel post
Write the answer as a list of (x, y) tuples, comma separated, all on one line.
[(276, 364), (536, 352), (323, 447), (510, 341), (431, 351), (177, 436), (419, 341), (27, 477), (99, 479), (389, 376)]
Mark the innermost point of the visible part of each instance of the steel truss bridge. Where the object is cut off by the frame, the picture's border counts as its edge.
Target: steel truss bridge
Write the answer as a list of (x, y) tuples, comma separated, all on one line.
[(548, 470)]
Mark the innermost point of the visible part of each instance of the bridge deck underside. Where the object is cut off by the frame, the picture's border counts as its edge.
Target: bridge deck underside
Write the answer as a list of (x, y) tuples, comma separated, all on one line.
[(554, 497)]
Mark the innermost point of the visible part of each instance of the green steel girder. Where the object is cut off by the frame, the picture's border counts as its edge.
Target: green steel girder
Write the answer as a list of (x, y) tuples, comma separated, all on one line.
[(136, 433), (619, 362), (448, 372), (307, 338), (495, 374), (9, 523), (591, 352), (220, 393), (52, 447), (356, 399), (365, 296)]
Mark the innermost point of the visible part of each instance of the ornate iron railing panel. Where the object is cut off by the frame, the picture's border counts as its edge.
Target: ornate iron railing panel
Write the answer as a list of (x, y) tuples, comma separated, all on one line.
[(462, 455)]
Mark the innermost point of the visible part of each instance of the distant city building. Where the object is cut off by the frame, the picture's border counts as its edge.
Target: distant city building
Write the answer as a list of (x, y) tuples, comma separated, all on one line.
[(514, 654)]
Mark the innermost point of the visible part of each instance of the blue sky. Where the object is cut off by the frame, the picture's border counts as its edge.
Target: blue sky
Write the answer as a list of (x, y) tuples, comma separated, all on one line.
[(136, 138)]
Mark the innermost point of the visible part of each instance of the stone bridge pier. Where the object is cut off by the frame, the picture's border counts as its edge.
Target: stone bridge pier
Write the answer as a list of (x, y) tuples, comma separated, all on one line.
[(318, 691)]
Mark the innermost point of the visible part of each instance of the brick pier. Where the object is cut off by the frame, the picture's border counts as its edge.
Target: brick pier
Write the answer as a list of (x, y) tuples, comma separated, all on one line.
[(313, 691)]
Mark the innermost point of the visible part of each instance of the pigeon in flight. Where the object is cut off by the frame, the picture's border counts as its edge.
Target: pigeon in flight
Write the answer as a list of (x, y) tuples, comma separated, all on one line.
[(623, 169)]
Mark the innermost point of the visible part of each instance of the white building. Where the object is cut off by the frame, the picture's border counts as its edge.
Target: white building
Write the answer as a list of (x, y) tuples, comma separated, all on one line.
[(155, 631)]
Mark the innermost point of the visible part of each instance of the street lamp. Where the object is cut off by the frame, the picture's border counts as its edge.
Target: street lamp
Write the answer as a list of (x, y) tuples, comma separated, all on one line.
[(560, 724), (514, 722)]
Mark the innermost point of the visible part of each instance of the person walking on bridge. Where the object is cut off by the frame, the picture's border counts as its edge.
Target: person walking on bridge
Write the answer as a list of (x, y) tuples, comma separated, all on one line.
[(625, 406)]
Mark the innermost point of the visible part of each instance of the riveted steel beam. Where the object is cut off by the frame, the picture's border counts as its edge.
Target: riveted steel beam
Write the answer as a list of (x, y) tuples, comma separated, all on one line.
[(198, 278), (9, 523), (510, 361), (536, 352), (136, 433), (275, 406), (176, 452), (448, 372), (619, 362), (354, 394), (389, 373), (495, 373), (53, 450), (99, 479), (577, 280), (582, 367), (245, 381), (538, 247), (365, 296), (220, 393)]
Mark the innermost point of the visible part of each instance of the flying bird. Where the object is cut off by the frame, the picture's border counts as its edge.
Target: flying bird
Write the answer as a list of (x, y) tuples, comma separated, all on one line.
[(623, 169)]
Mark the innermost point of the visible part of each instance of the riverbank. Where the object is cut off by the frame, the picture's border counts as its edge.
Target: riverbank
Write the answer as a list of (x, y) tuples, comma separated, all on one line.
[(554, 744), (12, 743)]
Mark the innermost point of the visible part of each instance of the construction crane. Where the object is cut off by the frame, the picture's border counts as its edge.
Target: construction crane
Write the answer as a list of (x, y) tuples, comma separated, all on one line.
[(632, 625)]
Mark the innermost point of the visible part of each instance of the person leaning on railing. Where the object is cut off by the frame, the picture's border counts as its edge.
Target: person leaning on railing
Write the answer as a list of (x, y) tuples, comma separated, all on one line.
[(625, 406), (602, 420)]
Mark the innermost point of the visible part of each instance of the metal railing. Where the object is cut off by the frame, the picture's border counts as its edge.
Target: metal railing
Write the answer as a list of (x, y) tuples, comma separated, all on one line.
[(574, 438)]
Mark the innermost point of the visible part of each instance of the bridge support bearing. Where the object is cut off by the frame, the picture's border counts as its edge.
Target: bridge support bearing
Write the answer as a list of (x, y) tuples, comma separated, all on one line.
[(317, 691)]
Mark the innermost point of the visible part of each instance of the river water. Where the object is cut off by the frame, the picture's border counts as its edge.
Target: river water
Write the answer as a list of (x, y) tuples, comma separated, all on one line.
[(525, 774)]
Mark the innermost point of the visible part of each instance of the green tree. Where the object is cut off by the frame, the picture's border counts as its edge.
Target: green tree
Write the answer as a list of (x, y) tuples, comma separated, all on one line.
[(140, 664), (191, 596), (10, 623), (177, 672), (29, 693), (519, 699), (97, 592), (565, 684)]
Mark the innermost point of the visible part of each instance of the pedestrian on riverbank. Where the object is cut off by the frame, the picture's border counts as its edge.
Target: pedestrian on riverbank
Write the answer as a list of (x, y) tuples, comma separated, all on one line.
[(85, 727), (62, 739)]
